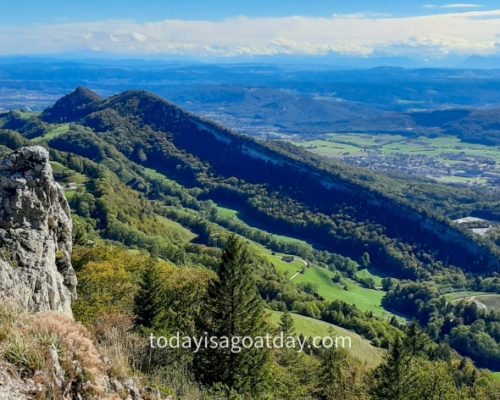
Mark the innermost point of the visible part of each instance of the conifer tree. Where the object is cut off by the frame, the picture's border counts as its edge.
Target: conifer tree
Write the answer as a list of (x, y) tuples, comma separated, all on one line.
[(330, 374), (286, 324), (338, 378), (148, 302), (390, 377), (287, 357), (416, 343), (234, 309)]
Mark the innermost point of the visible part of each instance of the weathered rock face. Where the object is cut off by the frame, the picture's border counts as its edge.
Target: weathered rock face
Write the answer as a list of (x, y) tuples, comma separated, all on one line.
[(35, 234)]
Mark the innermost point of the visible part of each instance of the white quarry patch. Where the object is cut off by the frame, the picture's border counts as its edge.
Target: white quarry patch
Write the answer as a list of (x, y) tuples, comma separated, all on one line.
[(469, 219), (212, 130), (254, 153), (481, 231)]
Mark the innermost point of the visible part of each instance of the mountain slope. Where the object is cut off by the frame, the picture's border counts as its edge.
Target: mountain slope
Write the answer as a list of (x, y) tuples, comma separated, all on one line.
[(76, 105), (136, 166), (280, 186), (470, 125)]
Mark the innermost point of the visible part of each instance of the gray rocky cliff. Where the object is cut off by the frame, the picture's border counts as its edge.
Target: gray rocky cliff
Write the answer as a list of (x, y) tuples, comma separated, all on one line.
[(35, 235)]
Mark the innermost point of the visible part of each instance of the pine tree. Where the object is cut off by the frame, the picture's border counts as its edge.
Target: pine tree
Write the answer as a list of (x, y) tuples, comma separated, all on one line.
[(416, 343), (389, 379), (338, 378), (148, 302), (287, 357), (330, 374), (234, 310), (286, 324)]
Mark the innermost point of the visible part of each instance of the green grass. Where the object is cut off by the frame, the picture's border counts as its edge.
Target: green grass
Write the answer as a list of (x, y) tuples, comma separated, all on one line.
[(365, 299), (490, 300), (157, 175), (336, 144), (69, 194), (361, 348), (462, 179), (227, 212), (284, 267), (364, 273), (70, 175), (57, 131), (184, 234), (232, 213), (27, 114), (496, 376), (442, 149), (453, 296), (330, 148), (4, 150)]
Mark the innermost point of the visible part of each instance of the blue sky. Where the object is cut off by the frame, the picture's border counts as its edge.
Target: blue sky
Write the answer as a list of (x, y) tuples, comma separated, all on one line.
[(229, 29), (49, 11)]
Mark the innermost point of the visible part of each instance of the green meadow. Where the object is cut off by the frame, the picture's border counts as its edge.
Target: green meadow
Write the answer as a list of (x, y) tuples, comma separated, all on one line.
[(442, 148), (361, 348), (57, 131), (346, 290)]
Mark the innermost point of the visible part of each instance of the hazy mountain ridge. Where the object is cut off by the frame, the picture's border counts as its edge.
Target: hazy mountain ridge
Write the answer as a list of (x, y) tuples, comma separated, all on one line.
[(275, 100)]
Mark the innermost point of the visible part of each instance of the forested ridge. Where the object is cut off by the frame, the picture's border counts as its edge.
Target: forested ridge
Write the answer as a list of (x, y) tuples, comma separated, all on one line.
[(157, 134), (147, 183)]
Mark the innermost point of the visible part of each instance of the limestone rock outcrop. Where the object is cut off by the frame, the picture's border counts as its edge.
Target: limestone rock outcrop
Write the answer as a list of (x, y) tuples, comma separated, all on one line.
[(35, 235)]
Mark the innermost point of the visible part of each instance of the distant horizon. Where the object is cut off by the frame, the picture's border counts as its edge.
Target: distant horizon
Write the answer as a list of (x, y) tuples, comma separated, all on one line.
[(417, 33), (295, 62)]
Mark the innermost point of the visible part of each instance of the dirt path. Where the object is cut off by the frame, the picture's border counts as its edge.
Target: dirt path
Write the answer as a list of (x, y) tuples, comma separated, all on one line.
[(478, 303), (303, 262)]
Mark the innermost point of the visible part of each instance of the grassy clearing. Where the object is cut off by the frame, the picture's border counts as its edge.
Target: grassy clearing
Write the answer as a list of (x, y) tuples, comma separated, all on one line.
[(330, 148), (286, 268), (496, 376), (454, 296), (365, 299), (365, 273), (227, 212), (69, 194), (67, 175), (489, 300), (4, 150), (28, 114), (157, 175), (361, 349), (462, 179), (57, 131), (347, 290), (232, 213), (184, 234)]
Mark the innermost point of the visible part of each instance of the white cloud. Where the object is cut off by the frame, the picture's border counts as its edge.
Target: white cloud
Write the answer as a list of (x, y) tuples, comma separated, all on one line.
[(453, 6), (460, 33)]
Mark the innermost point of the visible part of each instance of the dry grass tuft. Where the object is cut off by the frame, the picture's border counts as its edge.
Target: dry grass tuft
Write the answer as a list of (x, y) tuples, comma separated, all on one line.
[(59, 355), (79, 359)]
